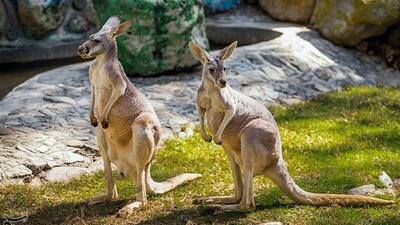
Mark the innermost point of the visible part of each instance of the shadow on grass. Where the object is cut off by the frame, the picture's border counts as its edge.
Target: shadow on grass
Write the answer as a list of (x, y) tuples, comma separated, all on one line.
[(64, 212)]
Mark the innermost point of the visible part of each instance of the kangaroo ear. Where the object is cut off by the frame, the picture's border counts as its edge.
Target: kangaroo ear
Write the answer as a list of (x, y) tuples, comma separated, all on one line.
[(122, 28), (110, 25), (227, 51), (198, 52)]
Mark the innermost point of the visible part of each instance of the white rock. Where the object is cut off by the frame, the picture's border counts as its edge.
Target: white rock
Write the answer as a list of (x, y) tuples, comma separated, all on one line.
[(396, 184), (96, 165), (36, 164), (64, 173), (363, 190), (385, 191), (49, 141), (68, 157), (386, 180)]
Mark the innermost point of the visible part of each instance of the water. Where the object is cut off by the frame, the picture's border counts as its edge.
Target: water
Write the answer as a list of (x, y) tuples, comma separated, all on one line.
[(11, 75)]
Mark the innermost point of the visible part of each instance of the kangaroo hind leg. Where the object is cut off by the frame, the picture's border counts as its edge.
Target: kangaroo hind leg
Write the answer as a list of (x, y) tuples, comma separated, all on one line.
[(111, 188), (143, 150)]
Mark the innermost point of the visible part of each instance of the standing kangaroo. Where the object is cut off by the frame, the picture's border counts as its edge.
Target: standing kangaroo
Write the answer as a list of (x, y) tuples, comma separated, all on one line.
[(250, 137), (130, 131)]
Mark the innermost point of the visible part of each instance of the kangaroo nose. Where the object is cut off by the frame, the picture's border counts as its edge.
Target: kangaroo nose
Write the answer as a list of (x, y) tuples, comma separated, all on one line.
[(82, 49), (223, 82), (122, 174)]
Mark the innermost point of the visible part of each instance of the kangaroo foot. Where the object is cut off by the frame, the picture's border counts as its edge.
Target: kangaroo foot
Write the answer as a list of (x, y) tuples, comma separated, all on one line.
[(217, 200), (233, 208), (128, 209), (101, 199)]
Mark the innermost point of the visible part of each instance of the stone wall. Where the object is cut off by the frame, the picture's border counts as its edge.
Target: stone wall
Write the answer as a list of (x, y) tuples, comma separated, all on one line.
[(347, 22), (32, 30)]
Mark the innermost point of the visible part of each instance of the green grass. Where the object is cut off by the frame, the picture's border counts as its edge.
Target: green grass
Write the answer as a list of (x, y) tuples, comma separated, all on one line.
[(331, 144)]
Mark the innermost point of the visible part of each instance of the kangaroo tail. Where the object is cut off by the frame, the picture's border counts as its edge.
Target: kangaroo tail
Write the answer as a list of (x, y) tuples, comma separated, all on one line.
[(281, 177), (155, 188)]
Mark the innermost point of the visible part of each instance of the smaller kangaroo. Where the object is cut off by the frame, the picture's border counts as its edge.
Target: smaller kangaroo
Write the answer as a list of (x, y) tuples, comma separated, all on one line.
[(129, 134), (250, 137)]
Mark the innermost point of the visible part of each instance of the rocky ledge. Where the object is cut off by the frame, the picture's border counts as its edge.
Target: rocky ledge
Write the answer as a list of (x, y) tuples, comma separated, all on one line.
[(45, 134)]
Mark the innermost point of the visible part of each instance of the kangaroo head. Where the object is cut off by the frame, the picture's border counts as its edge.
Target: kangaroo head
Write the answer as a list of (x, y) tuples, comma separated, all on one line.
[(98, 43), (213, 67)]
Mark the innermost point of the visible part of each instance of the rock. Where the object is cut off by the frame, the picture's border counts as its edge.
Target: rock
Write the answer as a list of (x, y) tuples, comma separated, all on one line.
[(36, 164), (349, 22), (68, 157), (49, 141), (385, 191), (3, 20), (299, 11), (40, 17), (214, 6), (396, 184), (386, 180), (96, 165), (59, 99), (393, 36), (13, 169), (5, 131), (89, 11), (78, 24), (63, 174), (363, 190), (157, 42), (79, 4), (35, 182)]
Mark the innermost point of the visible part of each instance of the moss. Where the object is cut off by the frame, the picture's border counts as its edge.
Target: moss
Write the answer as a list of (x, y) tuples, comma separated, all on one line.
[(157, 31), (349, 22)]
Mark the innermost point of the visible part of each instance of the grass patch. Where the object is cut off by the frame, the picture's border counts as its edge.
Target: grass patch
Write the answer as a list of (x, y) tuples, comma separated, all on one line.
[(331, 144)]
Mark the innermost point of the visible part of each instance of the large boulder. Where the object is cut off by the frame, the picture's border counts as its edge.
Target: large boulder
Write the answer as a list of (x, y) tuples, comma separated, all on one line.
[(348, 22), (38, 17), (157, 40), (299, 11), (3, 20)]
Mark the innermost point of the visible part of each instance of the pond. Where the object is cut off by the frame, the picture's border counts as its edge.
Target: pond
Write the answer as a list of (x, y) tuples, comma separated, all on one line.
[(11, 75)]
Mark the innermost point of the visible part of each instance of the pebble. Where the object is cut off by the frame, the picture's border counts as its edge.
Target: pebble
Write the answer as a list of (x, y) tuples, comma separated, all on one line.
[(5, 131), (363, 190), (59, 99), (64, 173), (386, 180)]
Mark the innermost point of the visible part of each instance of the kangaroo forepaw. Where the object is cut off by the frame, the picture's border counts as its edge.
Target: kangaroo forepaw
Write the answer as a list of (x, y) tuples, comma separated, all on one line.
[(217, 141), (206, 138), (93, 121), (104, 124)]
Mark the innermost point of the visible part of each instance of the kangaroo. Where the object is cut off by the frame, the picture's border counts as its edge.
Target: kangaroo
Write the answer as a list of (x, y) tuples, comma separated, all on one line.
[(250, 137), (130, 131)]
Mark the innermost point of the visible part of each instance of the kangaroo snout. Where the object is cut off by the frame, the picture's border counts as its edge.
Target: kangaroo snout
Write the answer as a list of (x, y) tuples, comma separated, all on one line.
[(222, 83), (82, 50)]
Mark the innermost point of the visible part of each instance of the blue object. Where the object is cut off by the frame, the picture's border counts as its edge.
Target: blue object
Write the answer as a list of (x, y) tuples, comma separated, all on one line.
[(214, 6)]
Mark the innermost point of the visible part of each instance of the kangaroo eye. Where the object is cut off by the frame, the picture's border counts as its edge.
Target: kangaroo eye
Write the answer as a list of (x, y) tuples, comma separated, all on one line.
[(96, 41), (212, 70), (224, 68)]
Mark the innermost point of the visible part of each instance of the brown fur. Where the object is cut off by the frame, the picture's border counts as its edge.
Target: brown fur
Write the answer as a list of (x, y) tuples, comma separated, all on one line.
[(129, 131), (250, 137)]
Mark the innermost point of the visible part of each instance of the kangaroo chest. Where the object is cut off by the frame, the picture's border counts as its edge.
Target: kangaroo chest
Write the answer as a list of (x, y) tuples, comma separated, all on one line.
[(214, 112), (102, 90)]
